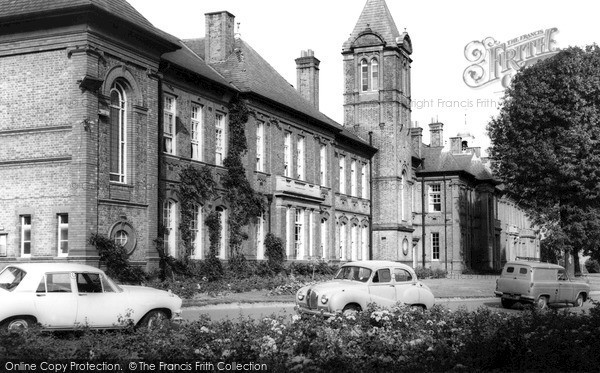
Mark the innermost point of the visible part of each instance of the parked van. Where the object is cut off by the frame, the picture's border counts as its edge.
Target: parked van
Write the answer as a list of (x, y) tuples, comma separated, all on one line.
[(540, 284)]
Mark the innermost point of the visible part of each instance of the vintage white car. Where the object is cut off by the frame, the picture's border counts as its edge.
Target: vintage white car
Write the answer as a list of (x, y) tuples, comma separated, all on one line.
[(68, 295), (357, 284)]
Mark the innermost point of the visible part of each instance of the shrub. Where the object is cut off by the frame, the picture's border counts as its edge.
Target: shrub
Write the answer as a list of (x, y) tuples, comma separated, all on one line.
[(592, 266), (376, 340), (116, 260), (430, 273), (275, 252)]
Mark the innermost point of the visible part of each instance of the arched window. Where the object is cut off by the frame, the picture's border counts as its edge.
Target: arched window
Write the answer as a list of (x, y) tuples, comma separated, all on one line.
[(170, 227), (118, 133), (354, 243), (222, 211), (374, 75), (342, 233), (369, 75), (197, 237), (364, 75)]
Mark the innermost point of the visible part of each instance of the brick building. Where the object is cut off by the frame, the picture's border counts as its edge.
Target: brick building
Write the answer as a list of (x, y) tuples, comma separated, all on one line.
[(462, 216), (100, 111)]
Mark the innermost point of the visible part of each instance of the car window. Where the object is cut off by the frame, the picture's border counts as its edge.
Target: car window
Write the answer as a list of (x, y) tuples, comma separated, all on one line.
[(353, 273), (382, 275), (89, 283), (562, 275), (402, 275), (11, 277), (56, 283), (510, 269), (522, 271)]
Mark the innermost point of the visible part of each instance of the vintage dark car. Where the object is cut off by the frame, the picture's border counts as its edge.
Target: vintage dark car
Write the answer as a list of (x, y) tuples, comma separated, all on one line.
[(539, 283), (357, 284)]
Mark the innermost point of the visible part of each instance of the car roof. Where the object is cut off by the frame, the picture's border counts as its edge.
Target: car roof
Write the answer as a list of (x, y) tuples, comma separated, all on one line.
[(533, 264), (376, 264), (54, 267)]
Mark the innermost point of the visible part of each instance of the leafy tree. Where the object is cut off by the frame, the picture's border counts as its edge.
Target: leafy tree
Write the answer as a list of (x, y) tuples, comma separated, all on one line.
[(545, 146)]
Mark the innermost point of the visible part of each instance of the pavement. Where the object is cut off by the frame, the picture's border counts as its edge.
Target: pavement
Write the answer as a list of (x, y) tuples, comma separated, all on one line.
[(453, 286)]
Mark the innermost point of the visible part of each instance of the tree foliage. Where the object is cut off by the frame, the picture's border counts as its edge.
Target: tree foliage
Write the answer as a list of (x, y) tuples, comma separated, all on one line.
[(545, 145)]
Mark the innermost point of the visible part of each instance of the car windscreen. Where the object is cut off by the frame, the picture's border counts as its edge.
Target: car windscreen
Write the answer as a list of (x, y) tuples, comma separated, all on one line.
[(11, 277), (353, 273)]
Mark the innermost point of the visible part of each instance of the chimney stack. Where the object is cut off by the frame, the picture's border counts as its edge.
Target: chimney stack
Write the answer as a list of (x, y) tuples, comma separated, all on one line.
[(219, 36), (416, 135), (436, 132), (307, 68)]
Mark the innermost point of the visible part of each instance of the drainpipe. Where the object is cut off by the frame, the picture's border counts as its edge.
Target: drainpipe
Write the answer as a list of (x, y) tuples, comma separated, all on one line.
[(423, 217), (445, 226), (371, 198)]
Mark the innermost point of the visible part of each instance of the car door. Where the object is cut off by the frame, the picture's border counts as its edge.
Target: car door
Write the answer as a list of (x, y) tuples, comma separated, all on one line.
[(55, 301), (382, 289), (404, 282), (566, 290), (100, 306)]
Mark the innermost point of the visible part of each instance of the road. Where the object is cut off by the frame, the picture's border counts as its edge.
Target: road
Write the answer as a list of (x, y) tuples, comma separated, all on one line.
[(259, 310)]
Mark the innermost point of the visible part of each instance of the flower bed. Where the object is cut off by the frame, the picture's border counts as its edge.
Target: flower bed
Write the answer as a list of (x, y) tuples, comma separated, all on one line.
[(376, 340)]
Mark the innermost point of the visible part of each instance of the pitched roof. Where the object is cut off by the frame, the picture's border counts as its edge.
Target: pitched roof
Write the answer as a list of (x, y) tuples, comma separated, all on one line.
[(191, 61), (250, 73), (377, 17), (437, 159), (20, 9)]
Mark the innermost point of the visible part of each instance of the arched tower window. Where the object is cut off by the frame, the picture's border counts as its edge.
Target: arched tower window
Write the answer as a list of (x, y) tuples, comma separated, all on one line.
[(369, 75), (118, 132), (374, 75), (364, 75)]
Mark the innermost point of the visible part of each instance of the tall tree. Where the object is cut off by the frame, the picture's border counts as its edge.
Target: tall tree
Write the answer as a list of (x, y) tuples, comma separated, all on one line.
[(545, 146)]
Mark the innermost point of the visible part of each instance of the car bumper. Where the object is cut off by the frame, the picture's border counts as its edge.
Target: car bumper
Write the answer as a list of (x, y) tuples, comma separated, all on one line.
[(316, 311), (516, 297)]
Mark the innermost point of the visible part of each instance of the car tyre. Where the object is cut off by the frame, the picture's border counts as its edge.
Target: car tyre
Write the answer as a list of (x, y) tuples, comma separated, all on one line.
[(507, 303), (542, 303), (351, 310), (579, 301), (154, 319), (19, 323), (417, 308)]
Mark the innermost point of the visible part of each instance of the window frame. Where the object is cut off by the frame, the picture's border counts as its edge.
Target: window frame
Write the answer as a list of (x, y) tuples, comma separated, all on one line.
[(197, 237), (299, 233), (169, 227), (353, 179), (300, 157), (287, 154), (435, 198), (260, 146), (435, 246), (170, 123), (342, 175), (220, 137), (118, 175), (26, 245), (196, 135), (323, 164), (59, 235)]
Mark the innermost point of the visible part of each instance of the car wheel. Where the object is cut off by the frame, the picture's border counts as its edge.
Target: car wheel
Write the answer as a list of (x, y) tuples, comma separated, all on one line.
[(351, 310), (542, 303), (19, 323), (154, 319), (507, 303), (579, 301)]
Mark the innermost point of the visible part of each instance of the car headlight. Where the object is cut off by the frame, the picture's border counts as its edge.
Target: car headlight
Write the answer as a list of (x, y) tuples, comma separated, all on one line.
[(300, 296), (324, 299)]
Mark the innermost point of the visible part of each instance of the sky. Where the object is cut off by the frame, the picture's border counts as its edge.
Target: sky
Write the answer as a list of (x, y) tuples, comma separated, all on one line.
[(440, 32)]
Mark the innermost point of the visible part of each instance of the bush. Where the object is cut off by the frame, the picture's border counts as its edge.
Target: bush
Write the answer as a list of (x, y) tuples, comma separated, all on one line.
[(275, 252), (430, 273), (116, 260), (376, 340), (592, 266)]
